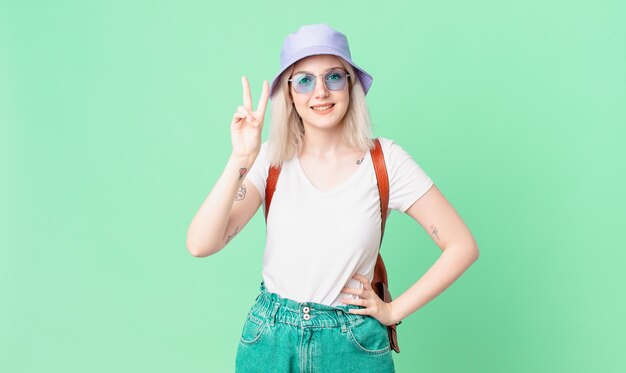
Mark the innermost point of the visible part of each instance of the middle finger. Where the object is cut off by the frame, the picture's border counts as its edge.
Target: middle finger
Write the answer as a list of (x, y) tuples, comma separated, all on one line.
[(247, 98), (263, 100)]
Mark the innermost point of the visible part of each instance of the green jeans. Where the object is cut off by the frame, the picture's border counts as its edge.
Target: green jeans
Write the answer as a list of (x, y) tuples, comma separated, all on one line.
[(282, 335)]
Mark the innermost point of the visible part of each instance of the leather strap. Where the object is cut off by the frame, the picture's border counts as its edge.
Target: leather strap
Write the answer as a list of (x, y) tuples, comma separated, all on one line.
[(270, 187), (379, 282), (383, 183)]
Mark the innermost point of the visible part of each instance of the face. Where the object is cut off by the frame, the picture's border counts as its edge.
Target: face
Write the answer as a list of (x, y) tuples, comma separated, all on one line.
[(320, 96)]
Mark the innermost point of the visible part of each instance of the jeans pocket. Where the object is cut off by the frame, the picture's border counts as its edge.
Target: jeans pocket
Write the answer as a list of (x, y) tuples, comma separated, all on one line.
[(369, 336), (253, 328)]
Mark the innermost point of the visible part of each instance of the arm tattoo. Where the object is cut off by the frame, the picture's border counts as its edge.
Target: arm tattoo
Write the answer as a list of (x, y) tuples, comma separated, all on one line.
[(360, 160), (242, 172), (435, 232), (241, 194), (230, 237)]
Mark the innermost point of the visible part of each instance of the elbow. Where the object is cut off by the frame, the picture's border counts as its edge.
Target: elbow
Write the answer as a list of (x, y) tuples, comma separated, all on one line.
[(194, 250), (195, 253), (200, 252), (475, 252)]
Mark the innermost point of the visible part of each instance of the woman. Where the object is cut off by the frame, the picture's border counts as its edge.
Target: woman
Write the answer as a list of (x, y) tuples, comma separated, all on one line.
[(317, 309)]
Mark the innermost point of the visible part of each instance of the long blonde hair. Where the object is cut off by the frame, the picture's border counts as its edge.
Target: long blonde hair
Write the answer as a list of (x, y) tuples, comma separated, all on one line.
[(287, 130)]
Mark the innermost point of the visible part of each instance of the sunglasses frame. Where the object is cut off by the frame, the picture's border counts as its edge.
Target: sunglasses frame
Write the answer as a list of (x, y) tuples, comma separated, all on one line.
[(290, 80)]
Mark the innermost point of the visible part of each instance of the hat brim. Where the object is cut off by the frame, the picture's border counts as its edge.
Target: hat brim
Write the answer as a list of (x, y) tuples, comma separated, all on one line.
[(365, 78)]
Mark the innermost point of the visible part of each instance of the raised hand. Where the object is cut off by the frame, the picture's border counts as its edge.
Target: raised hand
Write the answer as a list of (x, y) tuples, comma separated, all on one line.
[(247, 124)]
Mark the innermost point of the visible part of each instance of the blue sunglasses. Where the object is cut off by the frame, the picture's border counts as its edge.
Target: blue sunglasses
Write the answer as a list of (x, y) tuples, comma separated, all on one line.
[(335, 80)]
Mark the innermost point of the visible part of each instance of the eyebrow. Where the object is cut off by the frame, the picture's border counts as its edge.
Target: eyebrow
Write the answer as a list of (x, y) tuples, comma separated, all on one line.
[(330, 68)]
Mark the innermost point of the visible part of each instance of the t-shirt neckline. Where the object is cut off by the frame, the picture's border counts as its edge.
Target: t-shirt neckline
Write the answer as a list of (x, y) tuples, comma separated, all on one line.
[(338, 188)]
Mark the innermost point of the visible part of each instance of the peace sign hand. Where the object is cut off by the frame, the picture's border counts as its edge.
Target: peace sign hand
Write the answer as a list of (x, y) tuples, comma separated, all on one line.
[(246, 125), (374, 306)]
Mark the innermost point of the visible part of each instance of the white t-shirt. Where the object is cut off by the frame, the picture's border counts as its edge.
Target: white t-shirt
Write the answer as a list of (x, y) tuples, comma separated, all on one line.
[(316, 240)]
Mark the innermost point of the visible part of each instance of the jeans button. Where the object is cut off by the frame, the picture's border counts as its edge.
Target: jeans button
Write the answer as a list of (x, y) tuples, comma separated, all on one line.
[(305, 309), (306, 316)]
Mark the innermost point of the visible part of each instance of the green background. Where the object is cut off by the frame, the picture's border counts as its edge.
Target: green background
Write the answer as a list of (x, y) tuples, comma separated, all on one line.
[(115, 126)]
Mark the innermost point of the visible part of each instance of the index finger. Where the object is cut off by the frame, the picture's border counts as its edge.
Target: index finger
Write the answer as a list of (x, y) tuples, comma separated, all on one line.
[(263, 100), (247, 99)]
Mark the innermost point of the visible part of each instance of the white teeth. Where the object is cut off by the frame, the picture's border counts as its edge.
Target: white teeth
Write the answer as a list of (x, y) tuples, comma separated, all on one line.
[(322, 108)]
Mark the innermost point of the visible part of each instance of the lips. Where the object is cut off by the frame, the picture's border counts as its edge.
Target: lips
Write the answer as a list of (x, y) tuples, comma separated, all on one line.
[(322, 107)]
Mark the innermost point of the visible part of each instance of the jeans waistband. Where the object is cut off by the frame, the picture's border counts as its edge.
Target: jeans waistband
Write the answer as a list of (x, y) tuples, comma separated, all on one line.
[(279, 309)]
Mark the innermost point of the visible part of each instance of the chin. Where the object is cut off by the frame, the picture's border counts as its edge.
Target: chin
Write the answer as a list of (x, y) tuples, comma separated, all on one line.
[(316, 122)]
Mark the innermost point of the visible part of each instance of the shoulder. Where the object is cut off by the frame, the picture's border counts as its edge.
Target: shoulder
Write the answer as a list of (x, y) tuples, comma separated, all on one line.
[(390, 147), (396, 155), (268, 153), (264, 152), (265, 146), (261, 161), (385, 141)]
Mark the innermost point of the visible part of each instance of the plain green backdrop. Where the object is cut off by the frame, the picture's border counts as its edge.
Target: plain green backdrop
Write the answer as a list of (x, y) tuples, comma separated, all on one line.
[(115, 126)]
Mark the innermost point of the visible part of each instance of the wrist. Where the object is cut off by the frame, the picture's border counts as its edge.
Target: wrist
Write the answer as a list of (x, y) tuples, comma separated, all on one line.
[(242, 157), (395, 318), (239, 165), (242, 160)]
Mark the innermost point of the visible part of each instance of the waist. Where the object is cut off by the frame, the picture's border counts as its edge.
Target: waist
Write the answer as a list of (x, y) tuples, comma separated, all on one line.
[(304, 314)]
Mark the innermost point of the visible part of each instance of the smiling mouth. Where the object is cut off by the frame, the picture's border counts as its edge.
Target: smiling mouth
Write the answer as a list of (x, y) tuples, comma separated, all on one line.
[(322, 108)]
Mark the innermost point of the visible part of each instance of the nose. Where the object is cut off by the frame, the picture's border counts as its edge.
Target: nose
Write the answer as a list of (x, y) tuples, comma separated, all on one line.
[(320, 89)]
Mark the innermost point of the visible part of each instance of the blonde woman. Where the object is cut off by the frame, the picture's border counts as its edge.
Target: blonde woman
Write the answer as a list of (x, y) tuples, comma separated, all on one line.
[(317, 310)]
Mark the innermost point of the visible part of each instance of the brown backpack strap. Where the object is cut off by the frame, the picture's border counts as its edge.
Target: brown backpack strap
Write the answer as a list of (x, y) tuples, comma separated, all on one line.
[(380, 283), (270, 187), (383, 183)]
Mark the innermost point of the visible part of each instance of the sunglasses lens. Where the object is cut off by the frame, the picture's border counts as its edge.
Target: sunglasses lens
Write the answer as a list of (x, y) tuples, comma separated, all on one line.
[(303, 83), (336, 80)]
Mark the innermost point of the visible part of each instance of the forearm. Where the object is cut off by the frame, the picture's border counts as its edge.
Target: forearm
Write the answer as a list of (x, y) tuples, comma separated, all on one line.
[(206, 231), (450, 265)]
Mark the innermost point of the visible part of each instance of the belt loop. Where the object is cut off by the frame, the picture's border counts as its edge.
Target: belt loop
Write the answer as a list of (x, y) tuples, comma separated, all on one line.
[(260, 291), (342, 320), (273, 313)]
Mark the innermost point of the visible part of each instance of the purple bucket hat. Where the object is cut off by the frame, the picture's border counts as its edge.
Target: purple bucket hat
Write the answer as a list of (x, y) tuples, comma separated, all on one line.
[(310, 40)]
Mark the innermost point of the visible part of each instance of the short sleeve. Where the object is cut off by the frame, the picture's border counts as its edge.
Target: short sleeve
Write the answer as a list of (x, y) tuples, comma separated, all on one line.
[(257, 174), (407, 181)]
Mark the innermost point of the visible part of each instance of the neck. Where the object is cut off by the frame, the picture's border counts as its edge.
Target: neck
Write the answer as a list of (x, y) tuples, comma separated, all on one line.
[(322, 142)]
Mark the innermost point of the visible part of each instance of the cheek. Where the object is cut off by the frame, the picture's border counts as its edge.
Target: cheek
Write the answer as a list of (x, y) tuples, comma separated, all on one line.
[(346, 103), (300, 107)]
